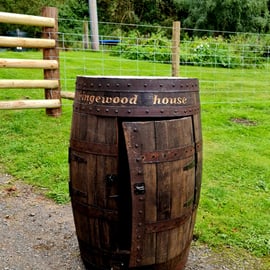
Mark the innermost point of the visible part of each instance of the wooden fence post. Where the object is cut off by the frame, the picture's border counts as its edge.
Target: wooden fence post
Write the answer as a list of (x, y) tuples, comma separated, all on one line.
[(52, 54), (176, 49), (85, 35)]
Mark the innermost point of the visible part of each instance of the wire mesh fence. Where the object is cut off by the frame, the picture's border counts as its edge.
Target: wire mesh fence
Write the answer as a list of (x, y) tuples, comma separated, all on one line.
[(231, 67)]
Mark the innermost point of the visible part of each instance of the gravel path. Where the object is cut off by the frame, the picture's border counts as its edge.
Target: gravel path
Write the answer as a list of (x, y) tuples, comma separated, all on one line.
[(38, 234)]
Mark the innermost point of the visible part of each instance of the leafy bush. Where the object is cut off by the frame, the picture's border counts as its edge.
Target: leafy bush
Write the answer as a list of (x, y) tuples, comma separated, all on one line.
[(236, 51), (220, 52), (154, 48)]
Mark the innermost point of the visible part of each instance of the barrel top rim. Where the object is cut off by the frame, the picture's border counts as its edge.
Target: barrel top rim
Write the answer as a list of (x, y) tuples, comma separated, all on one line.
[(136, 77)]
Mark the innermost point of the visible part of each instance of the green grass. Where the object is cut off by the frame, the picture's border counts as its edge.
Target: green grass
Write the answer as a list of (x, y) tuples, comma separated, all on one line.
[(235, 197)]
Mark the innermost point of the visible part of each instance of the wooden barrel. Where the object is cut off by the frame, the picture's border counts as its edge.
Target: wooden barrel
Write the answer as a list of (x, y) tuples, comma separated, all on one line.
[(135, 170)]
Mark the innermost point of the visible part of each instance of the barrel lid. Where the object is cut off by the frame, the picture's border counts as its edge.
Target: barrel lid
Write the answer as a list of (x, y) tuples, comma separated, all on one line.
[(138, 83), (134, 77)]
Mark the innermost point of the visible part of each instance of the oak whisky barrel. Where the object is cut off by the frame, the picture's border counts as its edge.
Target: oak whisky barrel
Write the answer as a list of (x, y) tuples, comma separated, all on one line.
[(135, 163)]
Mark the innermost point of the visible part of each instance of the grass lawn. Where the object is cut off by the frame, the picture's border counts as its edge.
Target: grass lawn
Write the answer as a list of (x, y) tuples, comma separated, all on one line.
[(235, 198)]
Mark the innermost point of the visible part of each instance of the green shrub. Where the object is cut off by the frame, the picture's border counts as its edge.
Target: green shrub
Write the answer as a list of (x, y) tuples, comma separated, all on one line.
[(156, 48), (235, 52), (220, 52)]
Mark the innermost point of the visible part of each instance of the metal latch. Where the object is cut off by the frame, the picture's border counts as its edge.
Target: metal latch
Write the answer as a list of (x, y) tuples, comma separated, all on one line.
[(110, 179), (139, 188)]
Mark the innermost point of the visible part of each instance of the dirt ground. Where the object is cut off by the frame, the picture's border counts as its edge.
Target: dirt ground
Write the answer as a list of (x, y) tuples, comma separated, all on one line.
[(38, 234)]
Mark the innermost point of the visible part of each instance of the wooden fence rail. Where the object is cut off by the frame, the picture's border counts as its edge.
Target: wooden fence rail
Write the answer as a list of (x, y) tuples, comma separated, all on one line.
[(30, 104), (50, 62), (13, 18), (28, 84), (26, 42), (18, 63)]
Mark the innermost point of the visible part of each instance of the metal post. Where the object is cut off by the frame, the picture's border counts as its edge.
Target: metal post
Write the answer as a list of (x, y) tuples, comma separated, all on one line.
[(94, 24)]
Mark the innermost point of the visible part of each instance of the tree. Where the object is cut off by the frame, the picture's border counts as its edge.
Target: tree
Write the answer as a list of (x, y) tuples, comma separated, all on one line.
[(30, 7), (222, 15), (136, 11), (116, 11), (225, 15)]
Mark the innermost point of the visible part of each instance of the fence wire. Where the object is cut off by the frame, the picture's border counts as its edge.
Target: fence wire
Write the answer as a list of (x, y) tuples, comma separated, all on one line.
[(231, 67)]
